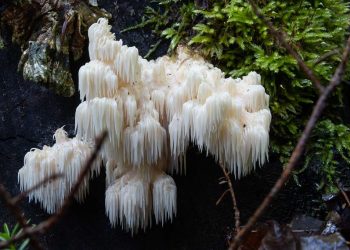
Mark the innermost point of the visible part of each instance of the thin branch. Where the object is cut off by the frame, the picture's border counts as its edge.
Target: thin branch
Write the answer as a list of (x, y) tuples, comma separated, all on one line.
[(69, 199), (233, 196), (222, 196), (16, 211), (24, 194), (344, 194), (153, 48), (281, 37), (326, 56), (51, 221), (298, 150)]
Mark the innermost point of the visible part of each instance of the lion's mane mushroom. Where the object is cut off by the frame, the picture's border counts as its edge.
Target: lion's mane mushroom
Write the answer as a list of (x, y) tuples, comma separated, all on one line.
[(66, 157), (153, 110)]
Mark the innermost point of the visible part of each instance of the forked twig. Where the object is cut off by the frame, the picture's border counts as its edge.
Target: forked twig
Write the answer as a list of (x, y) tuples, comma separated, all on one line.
[(298, 150), (11, 203), (17, 212), (25, 193), (52, 220), (233, 197), (222, 196)]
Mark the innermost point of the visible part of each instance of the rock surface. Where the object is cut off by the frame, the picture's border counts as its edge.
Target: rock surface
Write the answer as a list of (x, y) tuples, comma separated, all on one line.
[(29, 115)]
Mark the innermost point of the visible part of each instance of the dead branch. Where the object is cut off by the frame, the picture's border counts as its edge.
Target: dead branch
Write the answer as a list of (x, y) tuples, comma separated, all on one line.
[(233, 196), (281, 37), (327, 55), (67, 202), (17, 212), (222, 196), (298, 150), (52, 220), (24, 194), (346, 197)]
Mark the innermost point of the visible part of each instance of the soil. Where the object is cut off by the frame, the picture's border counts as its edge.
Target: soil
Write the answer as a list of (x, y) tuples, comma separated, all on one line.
[(29, 115)]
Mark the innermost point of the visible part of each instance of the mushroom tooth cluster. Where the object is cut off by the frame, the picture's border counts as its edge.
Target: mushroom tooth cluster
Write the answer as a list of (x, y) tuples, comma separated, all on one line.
[(95, 79), (127, 65), (164, 198), (97, 115), (66, 157), (102, 44), (144, 143), (130, 199), (152, 111)]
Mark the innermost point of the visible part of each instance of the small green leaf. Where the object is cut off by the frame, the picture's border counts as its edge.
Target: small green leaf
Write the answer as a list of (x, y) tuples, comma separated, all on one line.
[(200, 39), (15, 230), (4, 236), (174, 42), (24, 245), (204, 28), (169, 32), (6, 229)]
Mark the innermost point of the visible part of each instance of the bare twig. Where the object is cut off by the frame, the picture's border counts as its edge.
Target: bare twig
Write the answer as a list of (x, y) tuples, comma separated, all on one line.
[(222, 196), (24, 194), (51, 221), (281, 37), (298, 150), (346, 197), (16, 211), (153, 48), (67, 202), (327, 55), (233, 196)]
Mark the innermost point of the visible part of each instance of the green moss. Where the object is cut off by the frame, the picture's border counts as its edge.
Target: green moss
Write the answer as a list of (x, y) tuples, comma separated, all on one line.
[(231, 36)]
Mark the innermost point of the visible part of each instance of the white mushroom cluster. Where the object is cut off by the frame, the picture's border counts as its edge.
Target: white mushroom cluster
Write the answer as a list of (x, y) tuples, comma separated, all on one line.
[(66, 157), (152, 111)]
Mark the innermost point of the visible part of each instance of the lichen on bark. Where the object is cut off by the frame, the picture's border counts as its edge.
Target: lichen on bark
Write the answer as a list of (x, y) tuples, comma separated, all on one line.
[(51, 34)]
